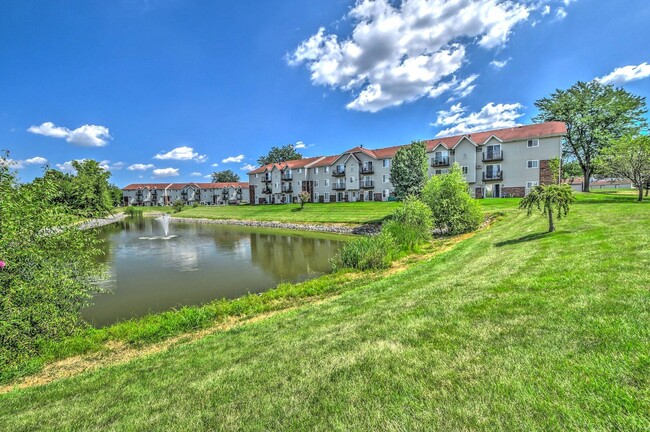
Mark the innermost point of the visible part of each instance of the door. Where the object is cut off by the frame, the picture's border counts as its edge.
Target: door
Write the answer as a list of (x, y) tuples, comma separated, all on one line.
[(497, 191)]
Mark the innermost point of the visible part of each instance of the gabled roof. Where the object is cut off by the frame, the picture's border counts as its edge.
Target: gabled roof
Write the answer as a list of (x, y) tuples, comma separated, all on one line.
[(178, 186), (292, 164)]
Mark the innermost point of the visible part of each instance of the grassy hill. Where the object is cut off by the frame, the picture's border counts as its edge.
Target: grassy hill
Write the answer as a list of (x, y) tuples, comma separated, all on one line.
[(509, 329)]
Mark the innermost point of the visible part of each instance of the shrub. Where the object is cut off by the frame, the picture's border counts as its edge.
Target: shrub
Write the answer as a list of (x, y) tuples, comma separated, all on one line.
[(195, 204), (132, 211), (454, 210), (178, 206), (365, 253), (410, 225)]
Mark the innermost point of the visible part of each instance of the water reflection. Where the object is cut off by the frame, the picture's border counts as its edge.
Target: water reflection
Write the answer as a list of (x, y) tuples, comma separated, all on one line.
[(203, 263)]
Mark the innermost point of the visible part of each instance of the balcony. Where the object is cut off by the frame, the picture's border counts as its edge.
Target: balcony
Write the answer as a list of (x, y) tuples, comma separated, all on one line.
[(266, 191), (493, 175), (287, 188), (338, 172), (367, 184), (338, 186), (287, 176), (492, 156), (367, 169), (266, 179), (440, 162)]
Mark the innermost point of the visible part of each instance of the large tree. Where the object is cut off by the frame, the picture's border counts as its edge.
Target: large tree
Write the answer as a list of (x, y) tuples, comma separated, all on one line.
[(225, 176), (595, 115), (279, 154), (408, 171), (628, 157), (90, 189)]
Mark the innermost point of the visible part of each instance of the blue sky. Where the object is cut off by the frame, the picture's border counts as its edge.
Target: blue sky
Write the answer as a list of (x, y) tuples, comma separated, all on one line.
[(169, 88)]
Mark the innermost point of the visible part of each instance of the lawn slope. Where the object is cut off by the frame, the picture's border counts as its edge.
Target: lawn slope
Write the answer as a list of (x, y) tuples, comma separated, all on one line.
[(509, 329)]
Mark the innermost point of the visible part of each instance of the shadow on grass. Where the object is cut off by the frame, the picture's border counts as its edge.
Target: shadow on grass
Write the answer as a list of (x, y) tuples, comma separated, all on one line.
[(529, 237)]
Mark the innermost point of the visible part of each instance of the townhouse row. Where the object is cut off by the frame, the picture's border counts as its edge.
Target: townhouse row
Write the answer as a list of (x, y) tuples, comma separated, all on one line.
[(496, 163), (160, 194)]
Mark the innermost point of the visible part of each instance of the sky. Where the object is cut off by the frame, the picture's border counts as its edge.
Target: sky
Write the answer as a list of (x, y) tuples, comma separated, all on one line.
[(172, 90)]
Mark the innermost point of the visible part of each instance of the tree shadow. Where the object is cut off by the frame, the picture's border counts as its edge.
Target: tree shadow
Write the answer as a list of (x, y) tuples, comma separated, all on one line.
[(528, 237), (297, 209)]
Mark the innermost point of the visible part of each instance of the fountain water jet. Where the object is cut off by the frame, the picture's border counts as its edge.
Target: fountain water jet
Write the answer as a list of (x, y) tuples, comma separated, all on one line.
[(164, 220)]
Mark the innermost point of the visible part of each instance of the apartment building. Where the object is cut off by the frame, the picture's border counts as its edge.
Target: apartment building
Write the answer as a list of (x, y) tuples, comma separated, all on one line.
[(160, 194), (496, 163)]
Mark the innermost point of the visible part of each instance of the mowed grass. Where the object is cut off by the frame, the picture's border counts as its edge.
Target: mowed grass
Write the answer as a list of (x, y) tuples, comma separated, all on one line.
[(511, 329), (340, 213)]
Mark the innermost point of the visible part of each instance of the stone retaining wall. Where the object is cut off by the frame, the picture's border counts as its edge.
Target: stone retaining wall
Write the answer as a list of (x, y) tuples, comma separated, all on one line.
[(96, 223)]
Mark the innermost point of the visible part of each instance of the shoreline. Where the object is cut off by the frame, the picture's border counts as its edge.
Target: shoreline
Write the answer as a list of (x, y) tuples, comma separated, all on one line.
[(100, 222)]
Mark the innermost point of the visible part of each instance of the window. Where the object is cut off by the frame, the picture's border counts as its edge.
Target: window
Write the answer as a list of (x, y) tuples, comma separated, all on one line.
[(385, 193), (298, 182), (327, 169), (351, 179), (464, 155), (533, 164), (316, 170), (465, 170), (384, 178), (316, 183), (533, 143), (327, 182), (255, 175), (315, 196), (386, 163), (299, 170), (327, 196), (531, 184), (275, 184)]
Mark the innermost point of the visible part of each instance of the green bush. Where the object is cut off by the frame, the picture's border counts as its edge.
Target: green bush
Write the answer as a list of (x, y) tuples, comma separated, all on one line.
[(178, 206), (365, 253), (132, 211), (454, 210), (195, 204), (410, 225)]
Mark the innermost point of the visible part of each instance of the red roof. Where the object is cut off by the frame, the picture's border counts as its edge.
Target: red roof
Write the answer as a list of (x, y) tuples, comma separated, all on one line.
[(175, 186), (292, 164), (517, 133)]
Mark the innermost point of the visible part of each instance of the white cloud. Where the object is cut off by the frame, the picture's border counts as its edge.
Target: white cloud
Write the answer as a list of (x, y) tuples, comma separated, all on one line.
[(183, 153), (215, 164), (498, 64), (491, 116), (86, 135), (402, 52), (625, 74), (19, 164), (208, 176), (196, 174), (464, 88), (67, 166), (560, 14), (140, 167), (546, 10), (37, 160), (165, 172), (248, 167), (300, 145), (233, 159)]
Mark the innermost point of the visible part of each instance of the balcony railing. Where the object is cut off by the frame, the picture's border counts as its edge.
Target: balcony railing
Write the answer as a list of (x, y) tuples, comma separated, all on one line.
[(492, 175), (266, 179), (492, 156), (338, 172), (287, 189), (338, 186), (367, 184), (287, 176), (367, 169), (440, 162), (266, 191)]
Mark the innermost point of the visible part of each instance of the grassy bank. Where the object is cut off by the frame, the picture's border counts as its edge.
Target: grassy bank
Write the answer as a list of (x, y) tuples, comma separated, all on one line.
[(510, 329), (344, 213)]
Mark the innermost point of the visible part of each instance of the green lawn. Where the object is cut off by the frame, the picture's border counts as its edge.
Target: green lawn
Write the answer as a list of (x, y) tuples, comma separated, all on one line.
[(511, 329), (347, 213)]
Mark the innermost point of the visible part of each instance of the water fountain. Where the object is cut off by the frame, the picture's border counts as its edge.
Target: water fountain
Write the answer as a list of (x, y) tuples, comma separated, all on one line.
[(164, 222)]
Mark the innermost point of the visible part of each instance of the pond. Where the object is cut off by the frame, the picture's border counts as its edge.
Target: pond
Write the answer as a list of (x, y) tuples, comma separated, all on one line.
[(153, 271)]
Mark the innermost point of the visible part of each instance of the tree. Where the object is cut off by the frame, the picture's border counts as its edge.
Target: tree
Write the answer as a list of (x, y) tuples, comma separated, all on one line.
[(90, 189), (116, 195), (409, 170), (304, 198), (454, 210), (571, 170), (628, 157), (49, 267), (410, 225), (225, 176), (549, 199), (595, 114), (279, 154)]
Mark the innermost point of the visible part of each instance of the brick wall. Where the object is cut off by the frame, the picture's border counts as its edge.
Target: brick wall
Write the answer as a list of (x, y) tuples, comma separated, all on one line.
[(545, 174), (517, 192)]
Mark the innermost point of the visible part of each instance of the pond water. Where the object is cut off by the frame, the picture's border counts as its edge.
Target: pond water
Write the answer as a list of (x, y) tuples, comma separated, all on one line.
[(153, 271)]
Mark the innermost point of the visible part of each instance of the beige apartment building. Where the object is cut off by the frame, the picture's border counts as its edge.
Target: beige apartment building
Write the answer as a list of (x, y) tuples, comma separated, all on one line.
[(160, 194), (496, 163)]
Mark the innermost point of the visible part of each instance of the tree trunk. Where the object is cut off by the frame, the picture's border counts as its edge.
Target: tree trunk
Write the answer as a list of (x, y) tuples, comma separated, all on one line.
[(640, 193), (551, 226), (586, 179)]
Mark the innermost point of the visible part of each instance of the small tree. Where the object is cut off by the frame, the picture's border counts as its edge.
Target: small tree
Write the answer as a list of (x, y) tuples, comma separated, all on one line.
[(225, 176), (304, 197), (454, 210), (549, 199), (629, 157), (408, 172), (411, 224), (279, 154), (595, 114), (178, 206)]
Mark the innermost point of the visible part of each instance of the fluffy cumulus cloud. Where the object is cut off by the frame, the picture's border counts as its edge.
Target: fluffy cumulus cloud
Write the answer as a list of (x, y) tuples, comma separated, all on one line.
[(622, 75), (183, 153), (165, 172), (300, 145), (18, 164), (400, 52), (248, 167), (67, 166), (457, 121), (86, 135), (234, 159), (140, 167)]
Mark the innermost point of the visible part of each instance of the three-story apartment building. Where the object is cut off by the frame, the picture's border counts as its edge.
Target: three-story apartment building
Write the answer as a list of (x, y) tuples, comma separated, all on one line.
[(159, 194), (496, 163)]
